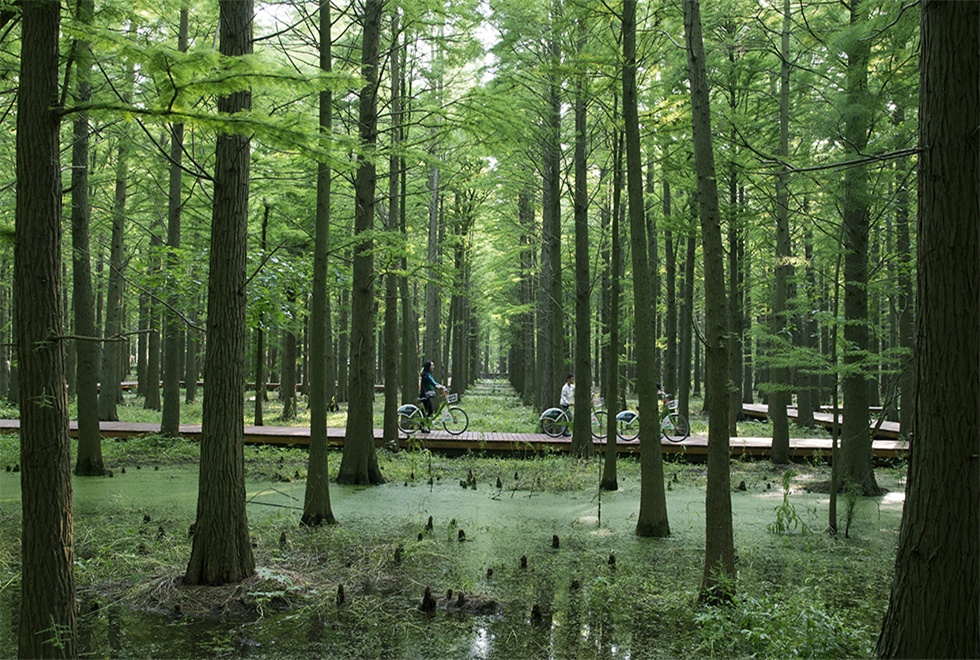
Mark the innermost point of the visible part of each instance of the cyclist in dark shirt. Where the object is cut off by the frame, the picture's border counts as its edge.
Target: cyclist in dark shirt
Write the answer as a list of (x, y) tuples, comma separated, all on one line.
[(427, 387)]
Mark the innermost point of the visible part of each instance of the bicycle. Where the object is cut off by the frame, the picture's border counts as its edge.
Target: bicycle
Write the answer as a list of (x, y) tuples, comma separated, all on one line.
[(412, 417), (673, 426), (556, 421)]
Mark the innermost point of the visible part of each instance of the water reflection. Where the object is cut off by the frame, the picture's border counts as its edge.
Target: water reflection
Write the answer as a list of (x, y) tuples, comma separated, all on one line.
[(578, 621)]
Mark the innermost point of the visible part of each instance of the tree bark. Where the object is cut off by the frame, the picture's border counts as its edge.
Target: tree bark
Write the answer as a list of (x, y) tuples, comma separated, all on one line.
[(258, 416), (47, 593), (221, 552), (779, 399), (652, 518), (669, 376), (582, 425), (288, 380), (359, 464), (89, 461), (718, 582), (316, 503), (855, 456), (191, 358), (684, 327), (174, 329), (609, 479), (391, 335), (934, 610), (110, 390)]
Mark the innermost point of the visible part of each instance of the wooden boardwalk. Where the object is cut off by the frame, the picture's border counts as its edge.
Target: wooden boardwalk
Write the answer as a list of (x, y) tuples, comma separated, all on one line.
[(886, 431), (519, 444)]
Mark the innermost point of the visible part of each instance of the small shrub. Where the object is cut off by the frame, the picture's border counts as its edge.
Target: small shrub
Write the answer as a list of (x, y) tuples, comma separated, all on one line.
[(773, 626)]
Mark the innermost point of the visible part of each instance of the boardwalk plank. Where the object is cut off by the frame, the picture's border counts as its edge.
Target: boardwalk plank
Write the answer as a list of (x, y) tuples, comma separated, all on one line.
[(492, 442)]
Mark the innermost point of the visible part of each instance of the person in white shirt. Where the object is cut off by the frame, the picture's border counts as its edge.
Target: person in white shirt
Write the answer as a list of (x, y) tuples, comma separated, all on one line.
[(567, 397)]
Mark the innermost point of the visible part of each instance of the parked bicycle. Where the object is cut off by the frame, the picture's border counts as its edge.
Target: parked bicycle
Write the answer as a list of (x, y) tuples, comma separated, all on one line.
[(412, 418), (674, 426), (556, 422)]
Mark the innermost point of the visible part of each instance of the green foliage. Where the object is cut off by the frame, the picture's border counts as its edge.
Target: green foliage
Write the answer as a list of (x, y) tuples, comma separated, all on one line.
[(787, 519), (780, 625)]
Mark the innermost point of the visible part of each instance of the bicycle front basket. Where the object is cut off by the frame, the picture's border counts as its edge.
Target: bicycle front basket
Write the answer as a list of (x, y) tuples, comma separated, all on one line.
[(673, 404), (452, 398)]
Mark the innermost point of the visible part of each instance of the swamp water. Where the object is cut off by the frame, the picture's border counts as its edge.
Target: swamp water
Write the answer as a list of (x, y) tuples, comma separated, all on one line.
[(568, 601)]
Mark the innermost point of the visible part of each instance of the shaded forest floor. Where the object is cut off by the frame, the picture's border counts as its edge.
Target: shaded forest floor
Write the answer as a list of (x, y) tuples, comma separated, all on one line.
[(800, 591)]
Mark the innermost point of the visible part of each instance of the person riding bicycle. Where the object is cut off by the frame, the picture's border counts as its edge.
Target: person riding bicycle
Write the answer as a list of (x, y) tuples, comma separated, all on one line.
[(567, 397), (427, 388)]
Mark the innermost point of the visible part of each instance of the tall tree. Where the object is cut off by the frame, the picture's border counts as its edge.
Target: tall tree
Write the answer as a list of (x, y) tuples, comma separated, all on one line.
[(391, 276), (855, 455), (582, 444), (89, 461), (432, 343), (316, 504), (550, 335), (359, 463), (172, 369), (287, 377), (718, 581), (779, 398), (934, 610), (110, 390), (221, 551), (47, 601), (258, 417), (669, 377), (652, 519), (609, 480)]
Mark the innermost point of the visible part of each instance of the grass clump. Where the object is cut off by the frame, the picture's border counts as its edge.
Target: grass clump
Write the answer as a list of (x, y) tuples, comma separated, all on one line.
[(781, 625)]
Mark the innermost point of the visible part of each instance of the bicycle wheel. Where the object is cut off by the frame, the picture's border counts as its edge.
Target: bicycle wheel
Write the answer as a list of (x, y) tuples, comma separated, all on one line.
[(599, 428), (409, 419), (455, 420), (676, 428), (554, 422), (628, 425)]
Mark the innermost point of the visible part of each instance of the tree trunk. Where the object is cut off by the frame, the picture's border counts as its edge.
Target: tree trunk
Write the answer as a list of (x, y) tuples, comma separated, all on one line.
[(652, 518), (288, 380), (191, 358), (174, 329), (905, 297), (748, 349), (669, 376), (359, 464), (582, 432), (343, 344), (409, 322), (110, 390), (47, 580), (609, 478), (526, 353), (856, 468), (718, 582), (780, 397), (653, 255), (258, 417), (316, 502), (89, 461), (4, 325), (221, 552), (934, 609), (433, 340), (391, 347), (151, 390), (806, 381), (684, 329)]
